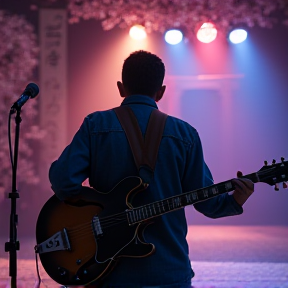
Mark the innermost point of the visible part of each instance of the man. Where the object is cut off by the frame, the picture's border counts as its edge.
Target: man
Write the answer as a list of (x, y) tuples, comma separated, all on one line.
[(100, 151)]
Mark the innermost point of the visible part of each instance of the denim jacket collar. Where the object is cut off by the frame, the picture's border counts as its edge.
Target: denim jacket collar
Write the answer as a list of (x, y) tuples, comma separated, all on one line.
[(139, 99)]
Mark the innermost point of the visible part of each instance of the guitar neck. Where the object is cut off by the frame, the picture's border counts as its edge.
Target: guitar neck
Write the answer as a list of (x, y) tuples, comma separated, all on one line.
[(158, 208)]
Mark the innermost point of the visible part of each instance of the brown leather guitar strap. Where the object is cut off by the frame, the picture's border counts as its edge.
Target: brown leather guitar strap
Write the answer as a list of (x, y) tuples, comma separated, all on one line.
[(144, 151)]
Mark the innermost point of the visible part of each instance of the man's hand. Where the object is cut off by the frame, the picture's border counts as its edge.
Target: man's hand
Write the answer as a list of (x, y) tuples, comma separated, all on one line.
[(243, 189)]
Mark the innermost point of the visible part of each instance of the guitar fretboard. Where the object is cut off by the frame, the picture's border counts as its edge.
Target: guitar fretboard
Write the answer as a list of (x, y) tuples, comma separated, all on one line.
[(145, 212)]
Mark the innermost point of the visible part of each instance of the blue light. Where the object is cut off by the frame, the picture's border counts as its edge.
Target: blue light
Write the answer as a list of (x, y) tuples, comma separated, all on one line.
[(237, 36), (173, 37)]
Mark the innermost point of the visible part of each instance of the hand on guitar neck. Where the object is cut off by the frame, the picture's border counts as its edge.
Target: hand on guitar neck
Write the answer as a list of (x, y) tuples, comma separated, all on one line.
[(243, 188)]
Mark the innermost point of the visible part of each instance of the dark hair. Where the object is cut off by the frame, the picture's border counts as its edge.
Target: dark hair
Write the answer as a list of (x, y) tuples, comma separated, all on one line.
[(143, 73)]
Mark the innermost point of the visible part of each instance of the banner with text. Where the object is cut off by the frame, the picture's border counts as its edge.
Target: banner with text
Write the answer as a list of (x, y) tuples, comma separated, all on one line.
[(53, 84)]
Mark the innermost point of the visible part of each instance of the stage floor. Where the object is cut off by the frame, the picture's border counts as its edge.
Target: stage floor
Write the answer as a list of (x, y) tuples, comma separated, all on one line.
[(221, 256)]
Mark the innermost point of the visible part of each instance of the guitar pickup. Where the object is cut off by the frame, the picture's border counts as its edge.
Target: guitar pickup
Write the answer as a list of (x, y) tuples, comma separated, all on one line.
[(59, 241), (97, 226)]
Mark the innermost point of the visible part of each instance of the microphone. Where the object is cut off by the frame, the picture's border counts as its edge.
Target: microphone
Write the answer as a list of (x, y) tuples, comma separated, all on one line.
[(31, 91)]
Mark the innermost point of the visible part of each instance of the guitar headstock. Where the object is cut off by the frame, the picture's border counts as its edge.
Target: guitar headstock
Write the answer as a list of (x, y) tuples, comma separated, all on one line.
[(274, 174)]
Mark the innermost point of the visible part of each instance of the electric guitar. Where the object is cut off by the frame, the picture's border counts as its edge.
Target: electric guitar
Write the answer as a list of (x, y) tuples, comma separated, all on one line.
[(76, 241)]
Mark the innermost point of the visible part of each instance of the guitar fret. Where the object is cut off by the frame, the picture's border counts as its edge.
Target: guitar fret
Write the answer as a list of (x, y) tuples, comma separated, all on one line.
[(214, 190), (168, 204), (159, 207), (129, 214), (228, 185), (133, 215), (154, 209), (150, 210), (177, 202), (136, 212), (163, 207), (205, 193), (194, 195)]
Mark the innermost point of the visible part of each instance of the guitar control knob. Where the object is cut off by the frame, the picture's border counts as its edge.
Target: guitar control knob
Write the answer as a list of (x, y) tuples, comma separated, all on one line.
[(78, 261), (77, 278), (285, 185), (62, 271), (265, 163)]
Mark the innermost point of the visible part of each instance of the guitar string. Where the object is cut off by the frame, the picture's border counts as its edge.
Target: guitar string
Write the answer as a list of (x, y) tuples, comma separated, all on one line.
[(152, 205), (87, 229), (109, 221), (150, 209), (166, 204), (120, 217), (106, 219), (89, 224), (160, 205)]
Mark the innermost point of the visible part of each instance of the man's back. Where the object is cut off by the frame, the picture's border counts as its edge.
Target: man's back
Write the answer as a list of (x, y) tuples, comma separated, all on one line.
[(112, 160)]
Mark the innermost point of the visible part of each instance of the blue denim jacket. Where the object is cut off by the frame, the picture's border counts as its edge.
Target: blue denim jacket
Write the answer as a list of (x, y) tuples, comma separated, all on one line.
[(100, 151)]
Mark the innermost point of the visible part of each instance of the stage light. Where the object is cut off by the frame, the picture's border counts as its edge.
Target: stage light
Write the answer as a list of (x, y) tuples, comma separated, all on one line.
[(207, 33), (137, 32), (237, 36), (173, 36)]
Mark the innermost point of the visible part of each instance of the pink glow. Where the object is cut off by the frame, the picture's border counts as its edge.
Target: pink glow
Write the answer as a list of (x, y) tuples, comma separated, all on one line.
[(137, 32), (207, 33), (220, 256)]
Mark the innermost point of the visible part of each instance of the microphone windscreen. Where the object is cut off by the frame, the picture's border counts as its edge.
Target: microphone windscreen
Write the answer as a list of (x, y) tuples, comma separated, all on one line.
[(32, 90)]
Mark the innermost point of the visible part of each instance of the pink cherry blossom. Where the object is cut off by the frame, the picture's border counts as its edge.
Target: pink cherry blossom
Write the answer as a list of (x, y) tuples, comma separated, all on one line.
[(18, 59), (160, 15)]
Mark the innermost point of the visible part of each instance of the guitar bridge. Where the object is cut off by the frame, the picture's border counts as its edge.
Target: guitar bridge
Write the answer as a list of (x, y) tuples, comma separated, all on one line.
[(59, 241)]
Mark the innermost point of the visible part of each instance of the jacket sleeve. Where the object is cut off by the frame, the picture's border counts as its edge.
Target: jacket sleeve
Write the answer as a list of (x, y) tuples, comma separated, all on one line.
[(67, 174), (199, 176), (219, 206)]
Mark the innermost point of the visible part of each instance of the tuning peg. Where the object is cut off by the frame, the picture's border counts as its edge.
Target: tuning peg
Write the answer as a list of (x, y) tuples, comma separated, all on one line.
[(282, 159), (276, 187), (273, 162), (285, 185), (265, 163)]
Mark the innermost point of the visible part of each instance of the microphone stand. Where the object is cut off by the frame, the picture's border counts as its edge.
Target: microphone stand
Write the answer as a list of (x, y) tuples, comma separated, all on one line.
[(13, 245)]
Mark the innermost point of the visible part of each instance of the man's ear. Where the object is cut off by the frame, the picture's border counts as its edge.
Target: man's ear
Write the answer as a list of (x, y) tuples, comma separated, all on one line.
[(121, 89), (160, 93)]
